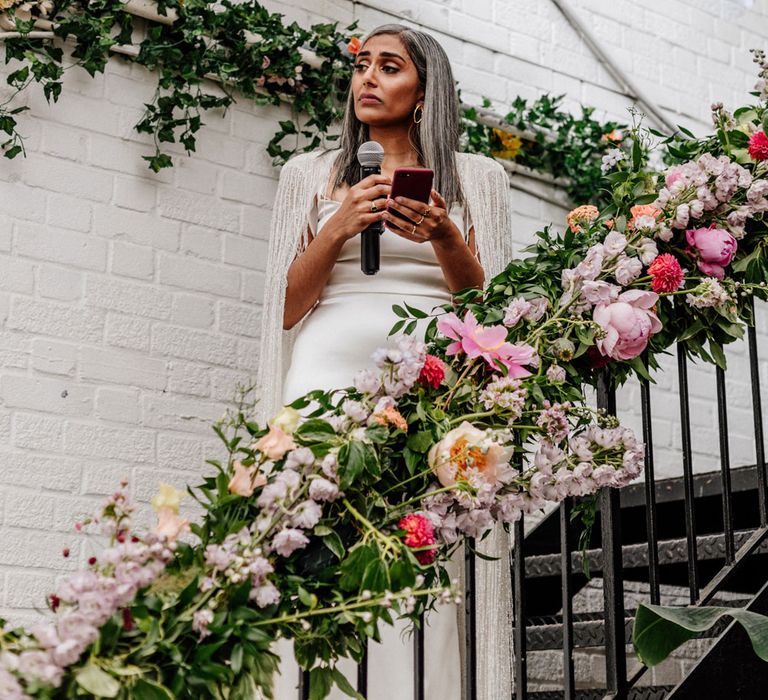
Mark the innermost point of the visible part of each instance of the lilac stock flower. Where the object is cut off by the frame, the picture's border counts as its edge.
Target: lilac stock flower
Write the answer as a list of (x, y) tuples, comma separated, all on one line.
[(288, 540), (321, 489), (10, 688), (265, 595), (306, 515), (200, 621)]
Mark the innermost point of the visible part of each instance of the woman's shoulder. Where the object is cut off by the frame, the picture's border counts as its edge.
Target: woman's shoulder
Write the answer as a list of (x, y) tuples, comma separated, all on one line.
[(475, 164)]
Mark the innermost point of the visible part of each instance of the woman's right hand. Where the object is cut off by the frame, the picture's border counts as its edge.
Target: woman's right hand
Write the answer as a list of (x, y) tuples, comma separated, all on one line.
[(355, 213)]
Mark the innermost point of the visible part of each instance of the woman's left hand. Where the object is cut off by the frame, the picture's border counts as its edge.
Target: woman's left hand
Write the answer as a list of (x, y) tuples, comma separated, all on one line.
[(425, 222)]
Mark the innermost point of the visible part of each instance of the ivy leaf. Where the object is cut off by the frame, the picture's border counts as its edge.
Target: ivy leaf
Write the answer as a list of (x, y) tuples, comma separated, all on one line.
[(144, 689)]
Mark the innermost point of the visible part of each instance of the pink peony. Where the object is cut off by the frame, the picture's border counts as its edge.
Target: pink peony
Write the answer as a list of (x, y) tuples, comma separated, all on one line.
[(275, 443), (489, 343), (419, 533), (758, 146), (432, 373), (468, 451), (715, 248), (666, 273), (628, 323)]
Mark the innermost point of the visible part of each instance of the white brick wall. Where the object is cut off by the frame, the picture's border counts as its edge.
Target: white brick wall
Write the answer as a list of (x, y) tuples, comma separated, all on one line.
[(130, 301)]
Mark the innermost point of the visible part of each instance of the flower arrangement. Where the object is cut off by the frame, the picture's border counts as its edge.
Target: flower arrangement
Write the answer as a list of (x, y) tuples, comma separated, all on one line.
[(319, 527)]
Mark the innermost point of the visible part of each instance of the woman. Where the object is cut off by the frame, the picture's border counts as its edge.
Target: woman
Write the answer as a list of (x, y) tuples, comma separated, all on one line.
[(323, 317)]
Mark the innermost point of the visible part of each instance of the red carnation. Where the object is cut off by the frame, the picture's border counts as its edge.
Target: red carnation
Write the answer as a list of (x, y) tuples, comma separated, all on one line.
[(433, 372), (758, 146), (419, 533), (666, 273)]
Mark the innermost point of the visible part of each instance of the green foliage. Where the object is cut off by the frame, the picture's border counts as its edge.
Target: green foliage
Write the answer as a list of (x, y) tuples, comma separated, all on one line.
[(659, 630)]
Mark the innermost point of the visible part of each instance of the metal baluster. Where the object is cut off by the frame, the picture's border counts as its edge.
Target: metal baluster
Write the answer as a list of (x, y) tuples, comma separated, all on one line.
[(650, 489), (518, 588), (725, 467), (613, 589), (303, 684), (690, 515), (757, 412), (566, 545), (418, 661), (362, 672), (470, 630)]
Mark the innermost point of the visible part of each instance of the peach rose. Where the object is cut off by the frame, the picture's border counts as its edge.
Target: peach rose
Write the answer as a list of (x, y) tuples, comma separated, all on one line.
[(169, 524), (245, 479), (275, 443)]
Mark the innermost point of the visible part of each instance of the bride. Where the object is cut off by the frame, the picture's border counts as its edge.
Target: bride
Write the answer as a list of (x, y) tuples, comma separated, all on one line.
[(322, 318)]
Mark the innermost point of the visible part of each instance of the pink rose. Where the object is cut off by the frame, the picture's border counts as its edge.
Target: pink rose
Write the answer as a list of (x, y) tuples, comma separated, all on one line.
[(628, 323), (275, 443), (715, 248)]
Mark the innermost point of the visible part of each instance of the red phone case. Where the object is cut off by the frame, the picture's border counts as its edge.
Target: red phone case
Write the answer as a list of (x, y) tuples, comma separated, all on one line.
[(414, 183)]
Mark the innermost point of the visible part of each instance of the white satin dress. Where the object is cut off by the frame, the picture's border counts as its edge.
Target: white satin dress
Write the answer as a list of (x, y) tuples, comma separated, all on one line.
[(336, 339)]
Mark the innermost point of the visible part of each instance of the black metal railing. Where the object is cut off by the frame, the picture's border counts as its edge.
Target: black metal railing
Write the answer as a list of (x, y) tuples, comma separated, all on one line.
[(697, 554)]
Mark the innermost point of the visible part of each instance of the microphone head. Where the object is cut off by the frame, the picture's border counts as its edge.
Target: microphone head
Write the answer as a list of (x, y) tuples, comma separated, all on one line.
[(370, 154)]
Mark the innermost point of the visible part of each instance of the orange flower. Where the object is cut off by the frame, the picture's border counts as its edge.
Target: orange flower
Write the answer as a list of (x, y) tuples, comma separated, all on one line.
[(245, 479), (354, 45), (581, 215), (615, 136), (275, 443), (392, 416)]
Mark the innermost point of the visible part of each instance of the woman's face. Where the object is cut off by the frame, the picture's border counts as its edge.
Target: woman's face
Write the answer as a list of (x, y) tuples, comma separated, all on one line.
[(385, 85)]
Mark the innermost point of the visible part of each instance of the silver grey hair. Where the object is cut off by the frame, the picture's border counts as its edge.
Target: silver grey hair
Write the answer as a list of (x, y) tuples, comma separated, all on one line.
[(436, 138)]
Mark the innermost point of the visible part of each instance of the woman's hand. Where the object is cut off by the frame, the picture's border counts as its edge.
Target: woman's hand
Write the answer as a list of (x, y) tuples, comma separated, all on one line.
[(362, 206), (423, 222)]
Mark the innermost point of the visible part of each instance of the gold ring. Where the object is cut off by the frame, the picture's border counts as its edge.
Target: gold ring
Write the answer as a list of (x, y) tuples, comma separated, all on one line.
[(413, 230), (426, 211), (418, 223), (374, 208)]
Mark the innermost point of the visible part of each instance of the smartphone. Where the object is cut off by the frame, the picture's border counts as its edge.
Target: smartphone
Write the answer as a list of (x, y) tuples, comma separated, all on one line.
[(414, 183)]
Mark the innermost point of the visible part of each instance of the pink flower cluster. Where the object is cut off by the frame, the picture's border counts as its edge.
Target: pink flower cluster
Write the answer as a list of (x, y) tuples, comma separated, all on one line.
[(84, 601), (714, 249), (627, 324), (506, 393)]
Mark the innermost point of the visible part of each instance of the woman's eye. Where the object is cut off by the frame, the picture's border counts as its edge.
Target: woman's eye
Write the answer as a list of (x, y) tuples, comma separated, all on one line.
[(360, 66), (389, 69)]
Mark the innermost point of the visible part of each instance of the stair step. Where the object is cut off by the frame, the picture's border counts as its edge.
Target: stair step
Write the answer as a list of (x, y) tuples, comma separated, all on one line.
[(591, 633), (636, 555), (656, 692)]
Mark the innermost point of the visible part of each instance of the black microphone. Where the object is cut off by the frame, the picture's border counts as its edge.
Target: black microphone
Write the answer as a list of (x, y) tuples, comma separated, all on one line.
[(370, 155)]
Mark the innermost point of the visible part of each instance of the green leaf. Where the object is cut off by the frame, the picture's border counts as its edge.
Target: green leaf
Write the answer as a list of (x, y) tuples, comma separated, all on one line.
[(421, 441), (344, 685), (97, 682), (149, 690), (659, 630), (320, 682), (400, 311), (334, 543)]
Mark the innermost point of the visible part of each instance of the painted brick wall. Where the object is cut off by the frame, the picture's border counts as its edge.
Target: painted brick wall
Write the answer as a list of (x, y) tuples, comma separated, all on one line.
[(130, 302)]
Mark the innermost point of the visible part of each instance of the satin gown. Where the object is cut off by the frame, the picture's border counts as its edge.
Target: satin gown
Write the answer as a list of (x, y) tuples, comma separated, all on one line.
[(336, 339)]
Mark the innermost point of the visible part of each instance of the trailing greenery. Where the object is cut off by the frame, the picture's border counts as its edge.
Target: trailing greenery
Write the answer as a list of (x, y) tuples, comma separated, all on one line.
[(254, 55)]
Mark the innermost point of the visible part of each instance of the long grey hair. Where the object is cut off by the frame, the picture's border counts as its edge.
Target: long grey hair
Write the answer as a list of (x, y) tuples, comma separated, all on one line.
[(436, 138)]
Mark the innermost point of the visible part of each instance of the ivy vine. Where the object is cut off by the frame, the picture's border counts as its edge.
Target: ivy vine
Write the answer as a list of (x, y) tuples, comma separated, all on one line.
[(254, 54)]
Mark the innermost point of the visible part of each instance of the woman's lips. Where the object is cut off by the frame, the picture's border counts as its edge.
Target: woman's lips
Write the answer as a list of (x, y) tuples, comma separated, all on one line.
[(370, 100)]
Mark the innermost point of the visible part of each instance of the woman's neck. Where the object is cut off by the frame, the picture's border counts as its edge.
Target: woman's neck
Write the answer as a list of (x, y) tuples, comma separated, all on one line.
[(398, 151)]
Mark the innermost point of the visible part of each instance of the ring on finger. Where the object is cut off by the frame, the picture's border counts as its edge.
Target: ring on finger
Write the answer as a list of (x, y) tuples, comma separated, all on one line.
[(413, 229), (419, 221), (426, 211), (374, 208)]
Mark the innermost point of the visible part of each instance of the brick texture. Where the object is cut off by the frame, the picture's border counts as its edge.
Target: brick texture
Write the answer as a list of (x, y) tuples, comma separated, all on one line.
[(130, 302)]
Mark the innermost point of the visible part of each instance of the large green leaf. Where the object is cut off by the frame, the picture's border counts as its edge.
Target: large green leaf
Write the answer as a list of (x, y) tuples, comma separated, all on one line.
[(97, 682), (148, 690), (659, 630)]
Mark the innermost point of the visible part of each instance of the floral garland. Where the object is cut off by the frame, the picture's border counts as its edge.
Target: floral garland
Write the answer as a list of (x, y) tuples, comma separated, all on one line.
[(254, 54), (319, 527)]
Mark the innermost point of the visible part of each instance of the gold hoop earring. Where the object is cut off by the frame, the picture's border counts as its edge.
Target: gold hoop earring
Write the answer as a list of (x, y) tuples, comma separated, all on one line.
[(420, 110)]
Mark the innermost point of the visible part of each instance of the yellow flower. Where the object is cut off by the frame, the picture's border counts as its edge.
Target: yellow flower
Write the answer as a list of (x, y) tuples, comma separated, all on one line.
[(167, 497), (5, 4), (510, 145)]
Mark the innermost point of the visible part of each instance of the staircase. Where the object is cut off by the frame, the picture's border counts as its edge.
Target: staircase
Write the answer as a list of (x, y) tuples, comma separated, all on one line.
[(696, 669)]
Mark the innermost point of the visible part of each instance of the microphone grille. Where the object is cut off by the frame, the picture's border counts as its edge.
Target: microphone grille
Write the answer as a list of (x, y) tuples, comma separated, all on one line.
[(370, 154)]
